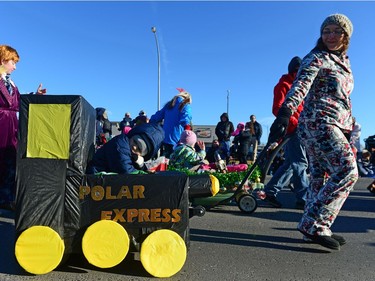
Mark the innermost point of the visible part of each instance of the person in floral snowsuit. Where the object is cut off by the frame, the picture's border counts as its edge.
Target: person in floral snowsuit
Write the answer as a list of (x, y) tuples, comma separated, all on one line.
[(185, 155), (324, 82)]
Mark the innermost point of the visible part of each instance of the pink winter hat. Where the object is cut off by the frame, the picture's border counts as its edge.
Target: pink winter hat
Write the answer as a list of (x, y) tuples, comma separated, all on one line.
[(188, 137), (240, 128), (126, 130)]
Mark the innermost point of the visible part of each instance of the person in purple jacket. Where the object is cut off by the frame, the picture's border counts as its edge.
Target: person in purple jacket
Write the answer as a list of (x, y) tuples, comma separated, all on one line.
[(9, 106), (324, 82)]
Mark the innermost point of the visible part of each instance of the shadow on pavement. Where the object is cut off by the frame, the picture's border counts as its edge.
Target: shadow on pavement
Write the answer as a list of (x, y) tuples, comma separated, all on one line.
[(249, 240), (77, 263), (8, 264)]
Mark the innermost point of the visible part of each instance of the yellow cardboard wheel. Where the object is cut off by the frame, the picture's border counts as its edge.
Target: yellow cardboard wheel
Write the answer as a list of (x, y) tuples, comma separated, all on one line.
[(215, 187), (39, 249), (163, 253), (105, 243)]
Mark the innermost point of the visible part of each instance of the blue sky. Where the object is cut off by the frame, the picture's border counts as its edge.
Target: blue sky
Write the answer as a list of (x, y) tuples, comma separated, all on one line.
[(106, 52)]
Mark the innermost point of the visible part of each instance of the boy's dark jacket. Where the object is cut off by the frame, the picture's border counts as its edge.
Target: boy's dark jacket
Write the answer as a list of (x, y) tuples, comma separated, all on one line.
[(115, 156), (224, 129)]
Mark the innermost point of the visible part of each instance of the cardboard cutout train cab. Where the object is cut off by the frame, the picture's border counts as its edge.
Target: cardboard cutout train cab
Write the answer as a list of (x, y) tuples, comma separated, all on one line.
[(60, 210)]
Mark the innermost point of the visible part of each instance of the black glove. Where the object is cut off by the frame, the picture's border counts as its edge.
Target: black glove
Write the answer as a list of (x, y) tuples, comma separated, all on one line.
[(279, 126)]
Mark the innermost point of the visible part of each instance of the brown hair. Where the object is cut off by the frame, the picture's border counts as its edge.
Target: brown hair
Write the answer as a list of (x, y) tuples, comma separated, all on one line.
[(345, 44), (7, 53)]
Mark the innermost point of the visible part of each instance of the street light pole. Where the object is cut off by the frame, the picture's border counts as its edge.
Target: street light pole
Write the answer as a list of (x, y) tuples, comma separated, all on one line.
[(228, 101), (153, 29)]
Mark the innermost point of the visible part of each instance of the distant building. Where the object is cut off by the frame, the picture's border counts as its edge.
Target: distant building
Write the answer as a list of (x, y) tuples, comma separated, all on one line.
[(205, 133)]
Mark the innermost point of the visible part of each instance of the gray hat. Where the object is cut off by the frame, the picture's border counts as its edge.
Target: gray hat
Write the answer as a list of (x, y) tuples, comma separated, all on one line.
[(141, 144), (341, 20)]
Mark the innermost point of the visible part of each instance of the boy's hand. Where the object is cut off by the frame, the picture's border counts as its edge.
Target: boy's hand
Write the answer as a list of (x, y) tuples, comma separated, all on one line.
[(40, 90), (201, 145)]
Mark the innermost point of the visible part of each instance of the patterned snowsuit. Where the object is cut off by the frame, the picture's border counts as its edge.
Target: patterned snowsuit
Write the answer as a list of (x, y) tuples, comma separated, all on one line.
[(324, 82)]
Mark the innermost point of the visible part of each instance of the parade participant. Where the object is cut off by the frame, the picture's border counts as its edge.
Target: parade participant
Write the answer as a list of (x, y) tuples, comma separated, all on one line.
[(126, 153), (242, 143), (294, 168), (223, 130), (185, 155), (127, 121), (324, 82), (176, 117), (9, 106), (103, 127), (210, 153), (256, 132), (140, 119)]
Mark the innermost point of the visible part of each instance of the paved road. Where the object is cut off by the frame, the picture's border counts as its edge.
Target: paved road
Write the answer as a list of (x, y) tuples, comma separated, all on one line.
[(229, 245)]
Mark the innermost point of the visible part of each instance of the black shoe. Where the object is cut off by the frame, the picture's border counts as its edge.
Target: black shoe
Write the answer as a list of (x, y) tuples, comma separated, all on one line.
[(325, 241), (339, 239), (272, 201)]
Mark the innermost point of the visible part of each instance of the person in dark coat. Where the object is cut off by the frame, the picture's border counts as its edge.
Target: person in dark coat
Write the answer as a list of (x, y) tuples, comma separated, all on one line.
[(243, 141), (210, 155), (125, 154), (223, 131), (127, 121), (256, 132), (103, 127), (140, 119)]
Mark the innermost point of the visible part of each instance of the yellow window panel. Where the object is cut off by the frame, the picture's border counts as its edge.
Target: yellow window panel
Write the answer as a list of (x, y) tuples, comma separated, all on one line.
[(48, 131)]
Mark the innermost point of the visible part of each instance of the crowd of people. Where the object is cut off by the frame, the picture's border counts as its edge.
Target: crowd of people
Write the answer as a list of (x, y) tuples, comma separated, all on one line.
[(312, 108), (244, 144), (179, 142)]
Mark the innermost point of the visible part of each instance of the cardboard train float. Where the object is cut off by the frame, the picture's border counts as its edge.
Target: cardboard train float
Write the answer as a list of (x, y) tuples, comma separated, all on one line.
[(60, 210)]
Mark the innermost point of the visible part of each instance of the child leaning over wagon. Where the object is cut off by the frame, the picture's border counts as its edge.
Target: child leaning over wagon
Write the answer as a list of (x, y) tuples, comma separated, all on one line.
[(185, 155), (126, 153)]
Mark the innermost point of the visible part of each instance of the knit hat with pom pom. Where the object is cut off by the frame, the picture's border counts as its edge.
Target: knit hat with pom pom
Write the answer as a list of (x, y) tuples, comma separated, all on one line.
[(341, 20)]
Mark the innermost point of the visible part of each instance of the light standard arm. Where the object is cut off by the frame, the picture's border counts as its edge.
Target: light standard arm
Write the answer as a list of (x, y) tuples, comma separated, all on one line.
[(153, 29)]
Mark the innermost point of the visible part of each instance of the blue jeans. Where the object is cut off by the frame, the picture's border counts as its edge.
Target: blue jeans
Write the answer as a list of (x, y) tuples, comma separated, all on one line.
[(293, 170), (225, 150)]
